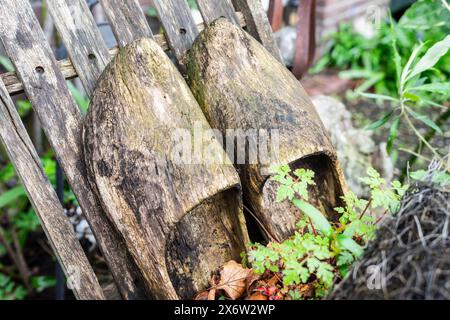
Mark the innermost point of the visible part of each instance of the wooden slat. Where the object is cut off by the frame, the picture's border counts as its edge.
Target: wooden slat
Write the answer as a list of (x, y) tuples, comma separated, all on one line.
[(178, 24), (61, 120), (15, 86), (56, 225), (214, 9), (82, 39), (127, 20), (257, 24)]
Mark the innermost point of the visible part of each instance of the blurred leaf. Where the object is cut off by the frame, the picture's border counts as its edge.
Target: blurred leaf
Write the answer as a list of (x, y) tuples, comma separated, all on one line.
[(432, 103), (411, 96), (442, 178), (151, 12), (426, 120), (351, 245), (23, 107), (41, 283), (431, 57), (6, 63), (81, 100), (439, 87), (381, 122), (355, 74), (12, 195), (370, 82), (393, 134), (27, 221), (418, 175), (436, 16), (406, 74), (377, 96), (320, 65), (7, 173)]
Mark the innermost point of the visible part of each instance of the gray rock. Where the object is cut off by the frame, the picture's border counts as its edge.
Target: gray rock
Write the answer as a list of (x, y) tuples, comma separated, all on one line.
[(285, 38)]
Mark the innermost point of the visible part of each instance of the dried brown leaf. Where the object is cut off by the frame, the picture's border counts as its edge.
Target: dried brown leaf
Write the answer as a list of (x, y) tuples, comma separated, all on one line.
[(212, 294), (233, 279), (202, 296)]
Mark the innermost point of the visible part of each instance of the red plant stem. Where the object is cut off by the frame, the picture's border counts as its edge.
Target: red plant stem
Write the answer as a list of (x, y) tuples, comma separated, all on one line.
[(365, 209), (313, 229), (380, 218)]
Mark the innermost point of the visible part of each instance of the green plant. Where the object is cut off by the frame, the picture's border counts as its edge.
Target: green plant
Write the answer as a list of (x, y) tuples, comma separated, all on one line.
[(320, 251), (411, 96), (437, 176), (371, 59), (9, 290), (17, 221), (406, 66)]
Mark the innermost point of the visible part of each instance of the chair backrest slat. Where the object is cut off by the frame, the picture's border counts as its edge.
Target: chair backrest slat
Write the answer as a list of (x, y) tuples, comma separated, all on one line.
[(82, 39), (179, 25), (257, 24), (15, 86), (61, 120), (127, 20), (214, 9), (45, 201)]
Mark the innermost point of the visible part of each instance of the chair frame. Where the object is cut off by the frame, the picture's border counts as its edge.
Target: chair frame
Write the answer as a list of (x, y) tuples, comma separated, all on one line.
[(43, 79)]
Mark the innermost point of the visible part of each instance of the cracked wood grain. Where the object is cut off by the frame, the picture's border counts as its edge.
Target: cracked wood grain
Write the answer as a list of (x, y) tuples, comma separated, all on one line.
[(127, 20), (179, 26), (257, 24), (214, 9), (61, 120), (82, 39), (45, 202)]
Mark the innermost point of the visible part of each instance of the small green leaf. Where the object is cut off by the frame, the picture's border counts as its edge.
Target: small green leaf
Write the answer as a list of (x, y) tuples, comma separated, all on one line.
[(411, 96), (381, 122), (407, 69), (6, 63), (81, 100), (369, 83), (12, 195), (355, 74), (393, 133), (41, 283), (377, 96), (442, 178), (426, 120), (350, 245), (431, 57), (292, 276), (344, 258), (418, 175), (440, 87), (325, 274), (284, 192), (317, 218)]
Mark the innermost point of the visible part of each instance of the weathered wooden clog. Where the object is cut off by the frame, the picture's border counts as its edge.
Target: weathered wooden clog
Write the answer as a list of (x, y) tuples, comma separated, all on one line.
[(180, 221), (239, 85)]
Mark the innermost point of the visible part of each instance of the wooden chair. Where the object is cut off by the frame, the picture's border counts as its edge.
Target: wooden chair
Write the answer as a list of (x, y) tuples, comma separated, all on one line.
[(43, 79)]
